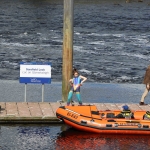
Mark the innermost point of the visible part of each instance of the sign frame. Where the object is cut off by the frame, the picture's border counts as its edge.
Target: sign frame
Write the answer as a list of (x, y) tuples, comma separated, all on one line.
[(35, 72)]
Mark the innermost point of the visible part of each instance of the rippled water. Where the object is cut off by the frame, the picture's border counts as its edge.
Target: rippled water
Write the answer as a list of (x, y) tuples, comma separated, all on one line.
[(111, 44), (111, 38), (28, 137), (54, 137)]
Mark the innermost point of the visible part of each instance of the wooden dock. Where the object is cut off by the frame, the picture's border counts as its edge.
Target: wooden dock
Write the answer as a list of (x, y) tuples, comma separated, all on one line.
[(45, 112)]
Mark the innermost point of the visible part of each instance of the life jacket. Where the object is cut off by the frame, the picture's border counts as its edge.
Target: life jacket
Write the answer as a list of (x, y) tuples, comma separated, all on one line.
[(127, 113), (147, 115), (76, 83)]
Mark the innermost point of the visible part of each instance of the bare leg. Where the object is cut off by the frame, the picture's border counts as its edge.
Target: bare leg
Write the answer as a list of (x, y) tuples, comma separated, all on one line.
[(144, 94)]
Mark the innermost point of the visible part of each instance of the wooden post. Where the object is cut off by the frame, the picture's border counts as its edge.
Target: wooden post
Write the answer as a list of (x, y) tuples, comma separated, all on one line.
[(67, 47)]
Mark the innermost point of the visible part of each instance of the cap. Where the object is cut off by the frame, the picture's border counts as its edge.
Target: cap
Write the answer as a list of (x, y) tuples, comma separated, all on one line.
[(125, 107)]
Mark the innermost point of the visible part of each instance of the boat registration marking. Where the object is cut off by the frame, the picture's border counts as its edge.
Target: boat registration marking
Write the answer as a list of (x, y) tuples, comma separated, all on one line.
[(127, 124), (72, 111), (73, 115)]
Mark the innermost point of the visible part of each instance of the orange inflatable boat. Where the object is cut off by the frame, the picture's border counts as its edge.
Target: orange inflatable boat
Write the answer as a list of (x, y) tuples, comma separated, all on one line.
[(88, 118)]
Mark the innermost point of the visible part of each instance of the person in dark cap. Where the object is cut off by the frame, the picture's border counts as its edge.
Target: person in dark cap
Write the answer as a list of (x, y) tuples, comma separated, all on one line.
[(146, 81), (126, 113)]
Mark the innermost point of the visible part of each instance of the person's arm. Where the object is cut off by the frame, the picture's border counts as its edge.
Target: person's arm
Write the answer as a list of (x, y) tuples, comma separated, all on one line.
[(147, 86), (71, 82), (83, 79)]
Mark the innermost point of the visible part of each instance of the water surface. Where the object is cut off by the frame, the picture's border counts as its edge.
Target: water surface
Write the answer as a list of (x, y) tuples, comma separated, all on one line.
[(60, 137), (111, 38), (111, 45)]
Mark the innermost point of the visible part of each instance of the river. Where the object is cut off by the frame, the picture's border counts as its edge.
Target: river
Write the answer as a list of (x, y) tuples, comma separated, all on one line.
[(111, 38), (111, 45)]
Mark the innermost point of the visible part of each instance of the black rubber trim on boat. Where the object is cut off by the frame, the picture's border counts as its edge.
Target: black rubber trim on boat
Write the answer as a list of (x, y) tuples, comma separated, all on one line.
[(108, 125), (95, 112), (145, 126), (83, 122), (63, 107), (111, 121)]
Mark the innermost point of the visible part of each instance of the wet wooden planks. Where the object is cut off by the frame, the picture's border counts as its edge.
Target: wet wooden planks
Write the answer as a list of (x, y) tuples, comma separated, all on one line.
[(23, 109), (29, 112), (118, 106), (46, 111)]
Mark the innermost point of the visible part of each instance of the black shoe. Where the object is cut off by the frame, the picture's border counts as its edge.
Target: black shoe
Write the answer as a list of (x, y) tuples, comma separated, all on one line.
[(142, 103)]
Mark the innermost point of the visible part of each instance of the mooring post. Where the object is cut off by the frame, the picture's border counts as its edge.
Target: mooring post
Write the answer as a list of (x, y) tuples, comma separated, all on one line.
[(67, 47)]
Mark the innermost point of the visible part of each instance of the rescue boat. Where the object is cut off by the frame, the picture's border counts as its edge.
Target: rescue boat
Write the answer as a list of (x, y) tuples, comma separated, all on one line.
[(88, 118)]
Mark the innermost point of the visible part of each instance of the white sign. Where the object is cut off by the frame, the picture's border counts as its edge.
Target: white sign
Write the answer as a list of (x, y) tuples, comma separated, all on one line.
[(41, 71), (35, 72)]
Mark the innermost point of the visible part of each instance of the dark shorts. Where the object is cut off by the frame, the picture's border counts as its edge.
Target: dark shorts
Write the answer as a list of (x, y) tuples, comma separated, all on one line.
[(77, 90)]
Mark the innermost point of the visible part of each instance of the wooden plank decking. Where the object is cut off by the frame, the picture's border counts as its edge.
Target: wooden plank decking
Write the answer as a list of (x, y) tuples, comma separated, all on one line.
[(44, 112)]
